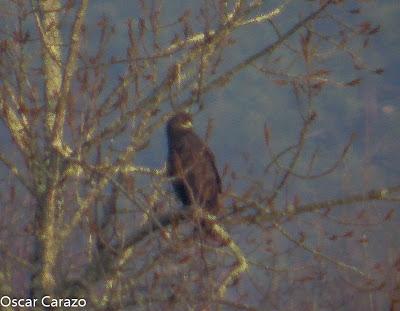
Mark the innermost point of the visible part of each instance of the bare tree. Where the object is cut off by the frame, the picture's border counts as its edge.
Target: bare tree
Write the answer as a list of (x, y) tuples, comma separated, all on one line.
[(81, 218)]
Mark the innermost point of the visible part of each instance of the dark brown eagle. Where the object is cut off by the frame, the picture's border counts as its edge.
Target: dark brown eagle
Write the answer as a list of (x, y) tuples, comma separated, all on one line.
[(192, 165)]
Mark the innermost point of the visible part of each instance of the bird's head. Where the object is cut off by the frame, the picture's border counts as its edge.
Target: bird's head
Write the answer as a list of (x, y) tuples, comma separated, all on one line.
[(180, 121)]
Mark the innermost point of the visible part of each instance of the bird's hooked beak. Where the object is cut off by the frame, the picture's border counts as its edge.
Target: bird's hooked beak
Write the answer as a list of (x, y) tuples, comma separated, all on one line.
[(187, 125)]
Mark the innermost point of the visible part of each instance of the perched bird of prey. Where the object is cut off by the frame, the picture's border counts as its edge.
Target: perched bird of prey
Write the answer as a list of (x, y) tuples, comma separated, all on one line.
[(192, 165)]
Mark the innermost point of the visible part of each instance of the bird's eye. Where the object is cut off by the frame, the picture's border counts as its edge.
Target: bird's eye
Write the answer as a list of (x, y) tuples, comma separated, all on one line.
[(187, 124)]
